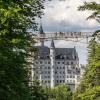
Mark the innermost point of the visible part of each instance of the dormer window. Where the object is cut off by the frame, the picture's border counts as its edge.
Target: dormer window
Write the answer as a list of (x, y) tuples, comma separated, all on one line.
[(58, 62), (72, 63), (47, 56), (41, 62), (67, 57)]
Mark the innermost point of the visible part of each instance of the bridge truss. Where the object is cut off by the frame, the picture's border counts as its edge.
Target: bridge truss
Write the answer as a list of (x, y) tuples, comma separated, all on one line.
[(68, 36)]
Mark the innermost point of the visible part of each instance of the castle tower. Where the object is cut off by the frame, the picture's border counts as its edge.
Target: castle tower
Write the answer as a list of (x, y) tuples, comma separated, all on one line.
[(52, 57), (41, 35)]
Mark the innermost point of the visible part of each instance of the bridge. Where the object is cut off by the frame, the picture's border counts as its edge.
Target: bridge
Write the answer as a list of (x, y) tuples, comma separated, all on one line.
[(68, 36)]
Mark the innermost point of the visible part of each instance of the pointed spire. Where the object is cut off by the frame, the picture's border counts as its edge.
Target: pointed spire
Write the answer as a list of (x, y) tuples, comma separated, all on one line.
[(41, 34), (52, 44), (41, 28)]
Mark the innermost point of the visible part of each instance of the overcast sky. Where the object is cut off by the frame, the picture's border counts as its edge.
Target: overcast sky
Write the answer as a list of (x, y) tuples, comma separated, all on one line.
[(62, 15)]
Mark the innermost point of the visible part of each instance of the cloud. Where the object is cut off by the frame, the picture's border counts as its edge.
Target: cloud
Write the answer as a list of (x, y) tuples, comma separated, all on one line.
[(64, 16)]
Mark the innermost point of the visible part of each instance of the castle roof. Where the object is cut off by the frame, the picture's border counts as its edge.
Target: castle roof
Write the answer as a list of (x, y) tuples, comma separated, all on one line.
[(43, 52)]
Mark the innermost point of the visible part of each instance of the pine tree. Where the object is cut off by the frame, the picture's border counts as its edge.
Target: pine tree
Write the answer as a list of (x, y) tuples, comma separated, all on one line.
[(89, 89), (93, 6)]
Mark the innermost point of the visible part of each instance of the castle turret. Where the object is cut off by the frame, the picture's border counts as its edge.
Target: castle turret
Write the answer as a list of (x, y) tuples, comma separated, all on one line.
[(52, 57), (41, 35)]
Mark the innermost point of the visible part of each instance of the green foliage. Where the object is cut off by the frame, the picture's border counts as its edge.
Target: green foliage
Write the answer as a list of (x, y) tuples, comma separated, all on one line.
[(93, 6), (38, 92), (60, 92), (16, 17), (91, 94), (89, 88)]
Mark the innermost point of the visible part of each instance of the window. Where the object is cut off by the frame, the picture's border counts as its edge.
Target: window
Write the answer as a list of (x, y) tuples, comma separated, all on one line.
[(72, 63), (45, 67), (36, 62), (55, 72), (73, 76), (45, 76), (71, 81), (48, 81), (67, 63), (70, 76), (73, 67), (67, 76), (49, 67), (69, 71), (73, 72), (62, 62), (57, 81), (67, 57), (48, 76), (47, 56), (58, 62), (63, 81), (48, 72), (48, 62), (41, 57), (45, 72), (41, 62), (78, 71)]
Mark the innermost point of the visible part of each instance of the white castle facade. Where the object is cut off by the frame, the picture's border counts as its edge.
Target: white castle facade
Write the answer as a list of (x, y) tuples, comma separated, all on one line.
[(54, 66)]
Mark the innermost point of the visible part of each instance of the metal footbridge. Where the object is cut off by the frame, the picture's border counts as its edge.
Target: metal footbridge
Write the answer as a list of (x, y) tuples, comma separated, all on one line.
[(68, 36)]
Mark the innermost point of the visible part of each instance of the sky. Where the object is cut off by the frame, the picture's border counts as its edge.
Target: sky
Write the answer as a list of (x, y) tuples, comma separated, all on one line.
[(62, 15)]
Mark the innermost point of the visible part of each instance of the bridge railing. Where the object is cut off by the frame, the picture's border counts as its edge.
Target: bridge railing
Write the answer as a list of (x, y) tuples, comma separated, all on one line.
[(69, 35)]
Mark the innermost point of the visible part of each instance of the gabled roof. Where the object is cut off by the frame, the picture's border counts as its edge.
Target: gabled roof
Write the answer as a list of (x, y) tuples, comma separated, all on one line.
[(60, 53)]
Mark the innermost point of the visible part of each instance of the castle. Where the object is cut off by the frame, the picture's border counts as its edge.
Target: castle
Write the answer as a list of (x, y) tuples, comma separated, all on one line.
[(54, 66)]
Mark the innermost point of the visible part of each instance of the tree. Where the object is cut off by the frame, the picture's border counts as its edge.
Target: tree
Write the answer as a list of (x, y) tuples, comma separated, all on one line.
[(16, 17), (60, 92), (93, 6), (89, 88), (38, 92)]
